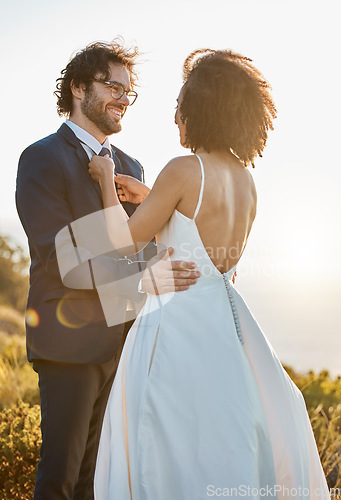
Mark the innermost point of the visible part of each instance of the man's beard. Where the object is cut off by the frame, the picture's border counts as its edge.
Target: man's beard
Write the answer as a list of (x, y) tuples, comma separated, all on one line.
[(93, 108)]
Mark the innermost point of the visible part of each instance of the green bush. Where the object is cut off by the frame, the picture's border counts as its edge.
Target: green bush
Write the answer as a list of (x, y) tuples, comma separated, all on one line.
[(13, 274), (320, 389), (20, 440), (18, 381), (20, 432), (327, 432), (12, 322), (323, 399)]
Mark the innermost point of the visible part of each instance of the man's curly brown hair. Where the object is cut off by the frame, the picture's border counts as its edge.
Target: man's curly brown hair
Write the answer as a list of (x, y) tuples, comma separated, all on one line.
[(83, 67), (226, 104)]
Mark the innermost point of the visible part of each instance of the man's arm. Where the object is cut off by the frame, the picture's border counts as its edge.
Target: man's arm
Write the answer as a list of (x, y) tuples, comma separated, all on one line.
[(42, 203), (44, 210)]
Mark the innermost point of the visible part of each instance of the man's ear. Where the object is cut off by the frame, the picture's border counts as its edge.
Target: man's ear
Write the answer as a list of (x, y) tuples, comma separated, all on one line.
[(77, 91)]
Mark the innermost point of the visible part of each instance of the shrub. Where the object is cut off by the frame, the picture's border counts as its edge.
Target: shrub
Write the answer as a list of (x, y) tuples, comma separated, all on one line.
[(322, 396), (20, 440), (18, 381), (327, 432), (320, 389), (20, 431), (12, 322), (13, 274)]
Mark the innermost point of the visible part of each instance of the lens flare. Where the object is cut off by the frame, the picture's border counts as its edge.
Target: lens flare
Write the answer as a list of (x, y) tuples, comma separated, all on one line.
[(73, 313), (32, 318)]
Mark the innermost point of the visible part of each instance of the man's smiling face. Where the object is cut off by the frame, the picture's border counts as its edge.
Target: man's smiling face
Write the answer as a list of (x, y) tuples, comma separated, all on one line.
[(99, 106)]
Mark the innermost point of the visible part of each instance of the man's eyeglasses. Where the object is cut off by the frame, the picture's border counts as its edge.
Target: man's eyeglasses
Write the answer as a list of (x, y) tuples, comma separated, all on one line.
[(117, 91)]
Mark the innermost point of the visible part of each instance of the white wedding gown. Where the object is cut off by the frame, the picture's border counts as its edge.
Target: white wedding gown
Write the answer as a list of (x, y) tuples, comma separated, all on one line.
[(201, 406)]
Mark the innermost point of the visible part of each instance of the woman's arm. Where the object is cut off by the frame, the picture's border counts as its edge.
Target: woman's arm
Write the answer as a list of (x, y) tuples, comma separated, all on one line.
[(150, 217), (130, 189)]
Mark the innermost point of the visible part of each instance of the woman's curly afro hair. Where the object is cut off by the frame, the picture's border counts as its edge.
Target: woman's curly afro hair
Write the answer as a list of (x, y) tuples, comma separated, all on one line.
[(226, 104)]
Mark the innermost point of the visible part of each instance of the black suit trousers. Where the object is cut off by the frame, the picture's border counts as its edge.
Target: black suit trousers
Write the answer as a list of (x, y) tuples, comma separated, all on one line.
[(73, 399)]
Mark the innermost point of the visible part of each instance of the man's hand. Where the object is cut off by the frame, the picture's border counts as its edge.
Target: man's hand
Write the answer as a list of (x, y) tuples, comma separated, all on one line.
[(101, 168), (163, 275), (130, 189)]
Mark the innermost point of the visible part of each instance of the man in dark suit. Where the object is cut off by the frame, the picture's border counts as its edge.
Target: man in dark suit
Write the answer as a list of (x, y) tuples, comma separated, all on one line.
[(68, 340)]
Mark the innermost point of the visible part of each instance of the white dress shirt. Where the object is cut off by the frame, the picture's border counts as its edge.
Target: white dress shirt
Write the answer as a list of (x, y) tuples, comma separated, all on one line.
[(90, 145)]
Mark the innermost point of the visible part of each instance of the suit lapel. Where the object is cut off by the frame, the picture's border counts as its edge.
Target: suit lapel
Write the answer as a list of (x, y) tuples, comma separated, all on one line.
[(117, 161), (84, 160), (82, 157)]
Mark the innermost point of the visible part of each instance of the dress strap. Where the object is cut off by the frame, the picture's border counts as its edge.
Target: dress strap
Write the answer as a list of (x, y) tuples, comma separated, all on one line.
[(201, 187)]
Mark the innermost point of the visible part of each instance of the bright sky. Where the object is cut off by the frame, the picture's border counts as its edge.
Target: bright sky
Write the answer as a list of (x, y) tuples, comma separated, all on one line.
[(290, 273)]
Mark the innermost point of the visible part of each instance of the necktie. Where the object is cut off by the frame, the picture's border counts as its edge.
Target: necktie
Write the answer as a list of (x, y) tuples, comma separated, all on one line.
[(118, 166), (105, 151)]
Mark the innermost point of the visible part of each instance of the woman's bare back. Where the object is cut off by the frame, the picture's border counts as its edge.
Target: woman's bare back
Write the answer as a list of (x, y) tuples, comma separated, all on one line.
[(228, 206)]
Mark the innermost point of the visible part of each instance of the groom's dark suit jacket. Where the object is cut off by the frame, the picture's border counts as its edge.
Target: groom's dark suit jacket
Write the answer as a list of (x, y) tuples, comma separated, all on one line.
[(54, 189)]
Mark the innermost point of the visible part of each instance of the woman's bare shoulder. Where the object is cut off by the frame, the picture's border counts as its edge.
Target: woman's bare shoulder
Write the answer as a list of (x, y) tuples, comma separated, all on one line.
[(253, 193), (178, 162), (252, 183), (180, 168)]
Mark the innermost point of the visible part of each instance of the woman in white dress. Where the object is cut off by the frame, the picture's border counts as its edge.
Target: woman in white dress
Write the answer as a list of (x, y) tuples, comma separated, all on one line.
[(201, 405)]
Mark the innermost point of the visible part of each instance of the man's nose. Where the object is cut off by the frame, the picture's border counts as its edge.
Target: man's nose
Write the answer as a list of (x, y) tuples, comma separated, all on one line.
[(123, 100)]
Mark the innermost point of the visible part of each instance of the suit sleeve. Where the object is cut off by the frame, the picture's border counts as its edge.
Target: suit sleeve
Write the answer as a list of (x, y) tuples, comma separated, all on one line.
[(142, 173), (41, 198), (44, 210)]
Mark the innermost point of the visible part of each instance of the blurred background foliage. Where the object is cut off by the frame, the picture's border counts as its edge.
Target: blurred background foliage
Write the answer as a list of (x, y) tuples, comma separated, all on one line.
[(13, 275)]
